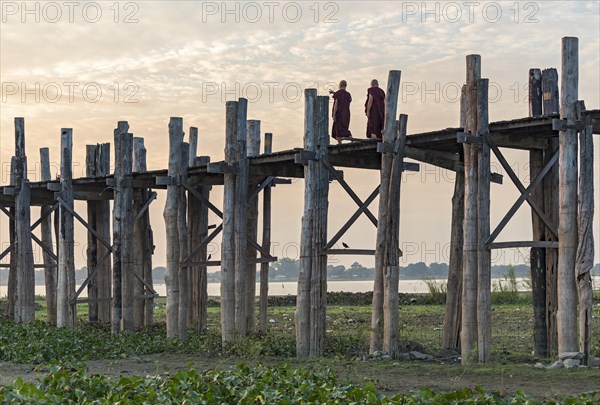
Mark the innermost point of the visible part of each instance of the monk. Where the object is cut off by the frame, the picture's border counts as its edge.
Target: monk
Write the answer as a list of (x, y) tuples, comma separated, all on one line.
[(341, 113), (375, 110)]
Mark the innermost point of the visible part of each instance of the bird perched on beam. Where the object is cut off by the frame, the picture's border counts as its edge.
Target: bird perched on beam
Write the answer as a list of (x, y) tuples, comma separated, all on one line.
[(345, 245)]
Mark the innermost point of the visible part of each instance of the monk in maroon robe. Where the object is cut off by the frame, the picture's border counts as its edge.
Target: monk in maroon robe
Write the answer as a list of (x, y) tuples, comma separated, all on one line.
[(375, 110), (341, 113)]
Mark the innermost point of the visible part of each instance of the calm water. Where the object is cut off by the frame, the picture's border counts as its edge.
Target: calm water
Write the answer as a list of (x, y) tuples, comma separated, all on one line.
[(289, 287)]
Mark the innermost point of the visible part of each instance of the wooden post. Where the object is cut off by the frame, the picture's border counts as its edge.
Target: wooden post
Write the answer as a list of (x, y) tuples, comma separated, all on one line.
[(127, 266), (228, 235), (117, 220), (302, 315), (184, 279), (65, 314), (484, 258), (25, 303), (253, 149), (193, 211), (266, 244), (585, 249), (91, 152), (240, 221), (141, 241), (12, 271), (170, 215), (537, 256), (389, 135), (550, 185), (318, 293), (567, 194), (391, 269), (470, 246), (46, 233), (103, 219), (452, 321)]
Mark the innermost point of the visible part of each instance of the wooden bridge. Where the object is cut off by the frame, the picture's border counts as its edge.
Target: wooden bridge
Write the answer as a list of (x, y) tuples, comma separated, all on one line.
[(121, 291)]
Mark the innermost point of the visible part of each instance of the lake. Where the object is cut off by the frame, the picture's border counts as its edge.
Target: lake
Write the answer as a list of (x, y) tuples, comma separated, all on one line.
[(290, 287)]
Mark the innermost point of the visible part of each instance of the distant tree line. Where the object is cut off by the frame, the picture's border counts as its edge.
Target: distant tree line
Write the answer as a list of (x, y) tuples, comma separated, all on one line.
[(287, 270)]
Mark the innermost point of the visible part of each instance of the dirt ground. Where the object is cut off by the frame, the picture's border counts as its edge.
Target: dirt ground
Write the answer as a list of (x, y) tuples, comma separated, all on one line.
[(390, 376)]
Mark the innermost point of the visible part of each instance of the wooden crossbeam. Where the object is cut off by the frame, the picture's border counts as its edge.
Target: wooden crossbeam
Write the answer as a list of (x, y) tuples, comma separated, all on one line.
[(205, 242), (350, 192), (266, 182), (352, 219), (151, 198), (363, 252), (85, 224), (525, 195), (203, 199), (532, 203), (214, 263), (90, 277), (523, 244)]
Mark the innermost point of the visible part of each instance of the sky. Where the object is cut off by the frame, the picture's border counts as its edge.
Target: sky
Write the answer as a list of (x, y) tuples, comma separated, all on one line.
[(87, 65)]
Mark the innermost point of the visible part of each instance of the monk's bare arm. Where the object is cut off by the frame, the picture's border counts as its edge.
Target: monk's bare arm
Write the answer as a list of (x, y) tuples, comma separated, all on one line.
[(369, 105)]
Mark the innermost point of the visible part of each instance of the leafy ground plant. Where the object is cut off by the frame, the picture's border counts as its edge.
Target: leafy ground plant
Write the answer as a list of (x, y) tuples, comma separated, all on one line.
[(280, 384)]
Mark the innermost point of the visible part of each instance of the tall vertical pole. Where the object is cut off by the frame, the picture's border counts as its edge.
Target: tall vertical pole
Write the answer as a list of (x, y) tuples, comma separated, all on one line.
[(266, 244), (484, 259), (50, 266), (550, 106), (25, 303), (537, 257), (140, 239), (170, 215), (103, 219), (184, 279), (469, 292), (389, 136), (65, 316), (567, 195), (228, 268), (452, 321), (302, 315), (91, 154)]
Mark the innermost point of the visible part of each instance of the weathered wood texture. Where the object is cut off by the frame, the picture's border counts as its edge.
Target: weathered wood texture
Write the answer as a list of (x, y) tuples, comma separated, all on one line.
[(252, 150), (484, 259), (551, 103), (46, 234), (567, 194), (170, 215), (142, 250), (391, 265), (537, 257), (452, 320), (228, 236), (182, 233), (266, 244), (127, 265), (389, 135), (318, 278), (91, 152), (470, 245), (103, 220), (585, 249), (25, 300), (12, 271), (302, 314), (240, 221), (65, 314)]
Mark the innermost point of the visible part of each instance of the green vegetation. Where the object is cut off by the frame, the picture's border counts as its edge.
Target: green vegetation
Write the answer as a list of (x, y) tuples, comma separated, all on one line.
[(243, 384)]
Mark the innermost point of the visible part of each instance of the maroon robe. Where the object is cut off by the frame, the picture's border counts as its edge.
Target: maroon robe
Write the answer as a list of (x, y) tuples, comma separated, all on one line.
[(377, 114), (342, 115)]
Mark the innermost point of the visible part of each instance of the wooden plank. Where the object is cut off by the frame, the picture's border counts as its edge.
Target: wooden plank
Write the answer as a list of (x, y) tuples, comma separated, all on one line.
[(523, 244)]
